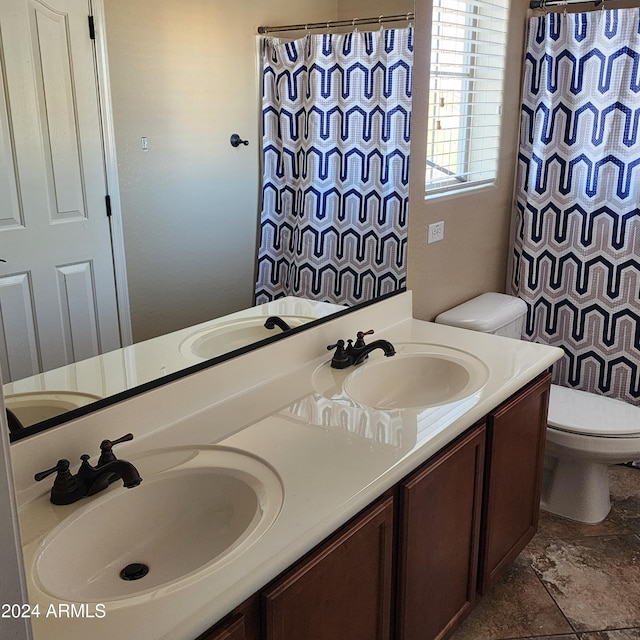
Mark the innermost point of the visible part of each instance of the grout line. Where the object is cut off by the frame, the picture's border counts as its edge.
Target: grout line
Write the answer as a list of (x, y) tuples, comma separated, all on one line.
[(544, 586)]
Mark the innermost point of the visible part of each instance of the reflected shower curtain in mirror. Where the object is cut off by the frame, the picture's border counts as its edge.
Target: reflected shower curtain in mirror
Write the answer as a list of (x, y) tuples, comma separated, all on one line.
[(577, 228), (336, 116)]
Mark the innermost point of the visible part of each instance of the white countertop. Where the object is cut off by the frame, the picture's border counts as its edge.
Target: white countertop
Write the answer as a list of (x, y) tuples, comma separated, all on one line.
[(330, 468)]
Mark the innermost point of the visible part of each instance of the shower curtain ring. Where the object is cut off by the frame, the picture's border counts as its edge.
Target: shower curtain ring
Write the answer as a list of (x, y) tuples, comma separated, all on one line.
[(353, 24)]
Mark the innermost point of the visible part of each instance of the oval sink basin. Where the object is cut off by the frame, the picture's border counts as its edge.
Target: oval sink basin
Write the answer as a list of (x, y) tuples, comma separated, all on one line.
[(416, 378), (195, 510), (35, 406), (213, 341)]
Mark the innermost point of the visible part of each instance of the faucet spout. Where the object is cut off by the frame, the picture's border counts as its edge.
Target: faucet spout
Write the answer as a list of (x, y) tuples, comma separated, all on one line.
[(275, 321), (385, 345), (13, 421), (96, 479)]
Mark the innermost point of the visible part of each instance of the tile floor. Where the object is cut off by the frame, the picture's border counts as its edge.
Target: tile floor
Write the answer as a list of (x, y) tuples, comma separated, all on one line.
[(573, 581)]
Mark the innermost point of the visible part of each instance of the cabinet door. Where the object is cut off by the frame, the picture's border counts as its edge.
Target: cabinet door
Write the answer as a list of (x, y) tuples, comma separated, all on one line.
[(233, 629), (516, 433), (243, 623), (341, 590), (440, 506)]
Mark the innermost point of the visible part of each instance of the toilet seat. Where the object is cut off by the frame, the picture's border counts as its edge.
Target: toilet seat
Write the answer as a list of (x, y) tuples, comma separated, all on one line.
[(588, 414)]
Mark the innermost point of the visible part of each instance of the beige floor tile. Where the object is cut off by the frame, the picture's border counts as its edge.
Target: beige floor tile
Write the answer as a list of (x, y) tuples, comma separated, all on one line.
[(594, 581), (625, 495), (518, 606)]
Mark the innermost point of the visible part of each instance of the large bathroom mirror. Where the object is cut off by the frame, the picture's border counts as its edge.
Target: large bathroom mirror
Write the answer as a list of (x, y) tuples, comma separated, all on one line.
[(184, 77)]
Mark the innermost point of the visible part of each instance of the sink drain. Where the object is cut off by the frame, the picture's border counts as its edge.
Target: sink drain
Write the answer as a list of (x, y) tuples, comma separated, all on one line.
[(134, 571)]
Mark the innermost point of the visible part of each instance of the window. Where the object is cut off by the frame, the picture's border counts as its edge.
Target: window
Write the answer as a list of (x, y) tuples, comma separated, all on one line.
[(468, 46)]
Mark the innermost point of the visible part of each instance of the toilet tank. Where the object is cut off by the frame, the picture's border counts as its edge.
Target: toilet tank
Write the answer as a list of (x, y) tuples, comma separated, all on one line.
[(496, 313)]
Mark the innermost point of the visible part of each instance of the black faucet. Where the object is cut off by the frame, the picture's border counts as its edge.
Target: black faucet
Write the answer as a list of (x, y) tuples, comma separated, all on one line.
[(89, 480), (356, 352), (13, 421), (275, 321)]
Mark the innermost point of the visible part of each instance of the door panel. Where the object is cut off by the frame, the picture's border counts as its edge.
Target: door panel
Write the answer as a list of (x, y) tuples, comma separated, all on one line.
[(10, 206), (17, 321), (53, 223), (77, 295), (53, 57)]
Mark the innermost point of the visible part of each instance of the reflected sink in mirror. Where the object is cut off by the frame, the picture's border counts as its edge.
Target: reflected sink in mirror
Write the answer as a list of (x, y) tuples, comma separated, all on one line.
[(228, 336), (417, 377), (35, 406), (195, 510)]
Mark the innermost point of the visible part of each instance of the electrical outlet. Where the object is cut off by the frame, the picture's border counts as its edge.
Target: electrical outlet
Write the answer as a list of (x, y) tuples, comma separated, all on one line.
[(436, 232)]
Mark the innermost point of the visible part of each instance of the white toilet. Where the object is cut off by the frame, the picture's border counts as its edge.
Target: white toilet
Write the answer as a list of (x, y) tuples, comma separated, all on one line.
[(586, 432)]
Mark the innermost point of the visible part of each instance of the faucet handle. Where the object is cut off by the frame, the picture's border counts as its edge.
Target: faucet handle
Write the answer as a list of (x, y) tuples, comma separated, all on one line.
[(65, 487), (341, 358), (61, 467), (105, 447), (360, 338)]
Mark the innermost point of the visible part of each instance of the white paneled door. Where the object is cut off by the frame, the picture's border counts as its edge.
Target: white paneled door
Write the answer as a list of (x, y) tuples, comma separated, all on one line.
[(57, 288)]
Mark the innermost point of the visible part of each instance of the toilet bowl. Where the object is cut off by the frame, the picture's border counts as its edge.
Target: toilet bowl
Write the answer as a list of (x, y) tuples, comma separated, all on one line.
[(586, 432)]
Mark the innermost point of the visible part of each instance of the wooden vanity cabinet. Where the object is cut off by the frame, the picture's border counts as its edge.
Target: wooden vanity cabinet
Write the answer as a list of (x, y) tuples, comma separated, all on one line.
[(343, 589), (439, 530), (462, 517), (516, 433), (243, 623)]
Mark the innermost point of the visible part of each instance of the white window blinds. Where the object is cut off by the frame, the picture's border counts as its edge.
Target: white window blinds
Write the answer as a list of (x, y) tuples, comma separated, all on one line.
[(468, 46)]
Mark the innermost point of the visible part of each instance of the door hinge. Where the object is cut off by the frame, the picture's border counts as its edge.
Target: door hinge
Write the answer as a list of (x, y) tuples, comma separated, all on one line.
[(107, 201), (92, 28)]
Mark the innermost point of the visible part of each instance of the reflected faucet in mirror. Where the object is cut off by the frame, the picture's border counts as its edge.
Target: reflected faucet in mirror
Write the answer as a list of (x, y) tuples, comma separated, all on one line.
[(14, 423), (274, 321)]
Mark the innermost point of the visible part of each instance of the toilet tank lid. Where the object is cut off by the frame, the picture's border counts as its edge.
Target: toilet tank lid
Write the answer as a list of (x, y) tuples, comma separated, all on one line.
[(487, 312)]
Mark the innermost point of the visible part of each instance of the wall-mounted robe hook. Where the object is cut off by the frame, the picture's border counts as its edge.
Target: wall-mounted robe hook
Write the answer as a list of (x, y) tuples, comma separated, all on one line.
[(236, 140)]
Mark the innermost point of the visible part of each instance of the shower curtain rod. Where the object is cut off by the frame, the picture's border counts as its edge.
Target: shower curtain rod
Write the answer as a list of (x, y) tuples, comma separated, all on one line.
[(542, 4), (356, 22)]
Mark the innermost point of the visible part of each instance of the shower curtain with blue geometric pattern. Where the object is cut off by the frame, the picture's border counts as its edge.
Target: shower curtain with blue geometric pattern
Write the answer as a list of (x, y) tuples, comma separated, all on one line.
[(576, 255), (336, 117)]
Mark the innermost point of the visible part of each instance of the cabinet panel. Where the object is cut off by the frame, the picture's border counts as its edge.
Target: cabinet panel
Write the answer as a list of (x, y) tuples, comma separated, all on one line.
[(515, 451), (341, 590), (243, 623), (439, 534), (231, 630)]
